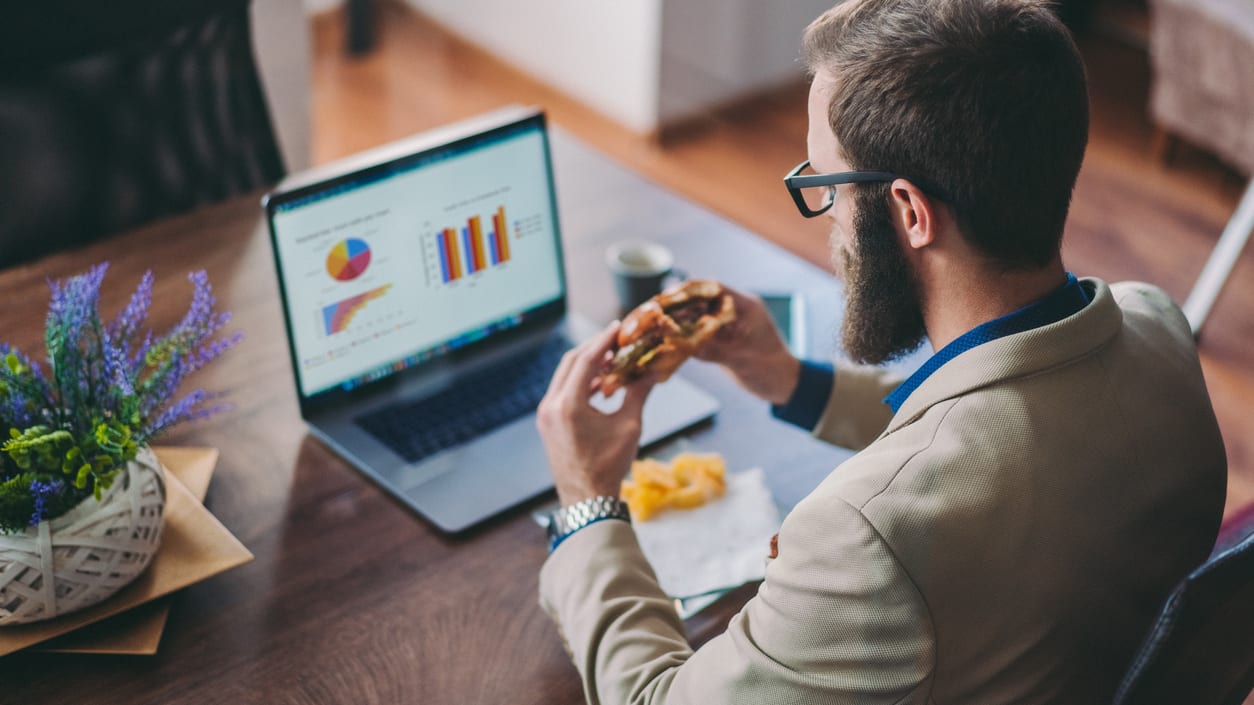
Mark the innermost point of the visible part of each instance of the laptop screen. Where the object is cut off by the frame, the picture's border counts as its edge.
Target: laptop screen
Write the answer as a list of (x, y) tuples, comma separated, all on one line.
[(394, 265)]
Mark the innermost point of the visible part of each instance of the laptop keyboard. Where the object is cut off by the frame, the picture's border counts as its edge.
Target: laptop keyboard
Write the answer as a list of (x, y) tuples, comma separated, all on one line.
[(486, 400)]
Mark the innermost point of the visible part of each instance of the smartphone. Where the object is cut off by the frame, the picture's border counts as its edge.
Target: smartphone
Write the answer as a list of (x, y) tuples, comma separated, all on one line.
[(788, 310)]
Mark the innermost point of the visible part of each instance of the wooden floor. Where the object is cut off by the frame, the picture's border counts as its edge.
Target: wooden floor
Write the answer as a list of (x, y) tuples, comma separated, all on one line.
[(1132, 217)]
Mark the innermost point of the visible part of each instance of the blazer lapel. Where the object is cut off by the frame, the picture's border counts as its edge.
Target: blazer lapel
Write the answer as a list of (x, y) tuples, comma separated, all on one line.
[(1018, 355)]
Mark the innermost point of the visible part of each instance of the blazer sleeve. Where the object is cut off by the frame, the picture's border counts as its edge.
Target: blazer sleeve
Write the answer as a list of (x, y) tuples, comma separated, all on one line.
[(837, 620), (856, 413)]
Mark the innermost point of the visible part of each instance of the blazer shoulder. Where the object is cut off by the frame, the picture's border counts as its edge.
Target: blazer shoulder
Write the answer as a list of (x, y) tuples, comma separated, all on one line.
[(1140, 301)]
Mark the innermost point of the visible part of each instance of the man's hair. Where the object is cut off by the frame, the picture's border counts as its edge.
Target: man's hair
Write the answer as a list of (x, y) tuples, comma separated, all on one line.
[(986, 99)]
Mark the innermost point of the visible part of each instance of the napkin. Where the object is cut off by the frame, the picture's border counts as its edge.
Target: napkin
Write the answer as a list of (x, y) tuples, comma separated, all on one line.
[(719, 545)]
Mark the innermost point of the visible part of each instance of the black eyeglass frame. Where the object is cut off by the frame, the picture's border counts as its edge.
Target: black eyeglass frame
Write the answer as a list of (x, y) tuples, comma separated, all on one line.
[(795, 181)]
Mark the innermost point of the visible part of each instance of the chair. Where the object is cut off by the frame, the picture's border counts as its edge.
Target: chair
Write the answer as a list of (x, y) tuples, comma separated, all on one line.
[(1202, 53), (115, 114), (1201, 649)]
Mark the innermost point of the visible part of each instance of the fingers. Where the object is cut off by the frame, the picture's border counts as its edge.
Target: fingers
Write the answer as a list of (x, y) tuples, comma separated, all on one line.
[(588, 359), (563, 371), (568, 363), (637, 393)]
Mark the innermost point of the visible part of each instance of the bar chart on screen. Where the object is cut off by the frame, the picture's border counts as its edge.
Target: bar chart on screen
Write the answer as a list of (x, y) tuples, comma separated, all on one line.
[(480, 244)]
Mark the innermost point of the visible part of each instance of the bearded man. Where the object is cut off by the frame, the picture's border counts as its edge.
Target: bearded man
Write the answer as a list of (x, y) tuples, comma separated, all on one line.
[(1022, 504)]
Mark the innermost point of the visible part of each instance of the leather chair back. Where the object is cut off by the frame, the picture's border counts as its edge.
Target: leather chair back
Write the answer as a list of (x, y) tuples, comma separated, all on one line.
[(1201, 649), (113, 114)]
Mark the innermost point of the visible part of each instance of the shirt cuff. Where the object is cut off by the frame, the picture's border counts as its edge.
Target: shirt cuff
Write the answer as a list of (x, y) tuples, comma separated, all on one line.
[(808, 401)]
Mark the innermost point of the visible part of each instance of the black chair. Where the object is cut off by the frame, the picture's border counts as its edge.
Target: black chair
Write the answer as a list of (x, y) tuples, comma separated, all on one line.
[(1201, 649), (113, 114)]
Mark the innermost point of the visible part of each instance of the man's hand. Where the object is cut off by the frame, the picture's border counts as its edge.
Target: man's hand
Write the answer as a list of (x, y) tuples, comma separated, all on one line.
[(589, 451), (752, 350)]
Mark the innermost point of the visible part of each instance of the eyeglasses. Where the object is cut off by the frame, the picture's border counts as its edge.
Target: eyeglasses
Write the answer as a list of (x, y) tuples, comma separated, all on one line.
[(815, 193)]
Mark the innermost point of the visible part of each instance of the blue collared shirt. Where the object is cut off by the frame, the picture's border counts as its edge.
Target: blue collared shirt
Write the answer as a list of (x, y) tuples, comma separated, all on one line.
[(814, 387)]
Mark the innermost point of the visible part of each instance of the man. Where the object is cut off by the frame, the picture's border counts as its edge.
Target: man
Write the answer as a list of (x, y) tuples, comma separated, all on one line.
[(1022, 504)]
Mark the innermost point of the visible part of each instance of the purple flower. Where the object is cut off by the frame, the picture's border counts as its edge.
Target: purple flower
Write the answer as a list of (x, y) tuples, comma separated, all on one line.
[(116, 374), (115, 379), (182, 410), (118, 371), (40, 491), (212, 350), (137, 359), (127, 324), (23, 392), (199, 318), (72, 313)]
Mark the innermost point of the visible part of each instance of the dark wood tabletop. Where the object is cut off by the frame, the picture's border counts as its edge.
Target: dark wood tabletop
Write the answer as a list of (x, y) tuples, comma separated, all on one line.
[(353, 598)]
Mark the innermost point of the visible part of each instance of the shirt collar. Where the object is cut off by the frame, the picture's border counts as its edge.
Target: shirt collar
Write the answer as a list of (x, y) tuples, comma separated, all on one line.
[(1057, 305)]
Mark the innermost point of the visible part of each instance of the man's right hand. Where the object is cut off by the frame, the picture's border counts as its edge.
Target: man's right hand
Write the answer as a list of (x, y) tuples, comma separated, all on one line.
[(752, 350)]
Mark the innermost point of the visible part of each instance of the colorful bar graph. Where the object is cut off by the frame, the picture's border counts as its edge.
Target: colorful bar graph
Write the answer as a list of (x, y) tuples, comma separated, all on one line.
[(500, 236), (450, 258), (458, 267), (476, 242), (470, 249), (441, 246)]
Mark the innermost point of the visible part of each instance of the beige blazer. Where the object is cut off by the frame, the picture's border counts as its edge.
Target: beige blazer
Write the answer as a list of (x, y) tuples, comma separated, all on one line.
[(1006, 537)]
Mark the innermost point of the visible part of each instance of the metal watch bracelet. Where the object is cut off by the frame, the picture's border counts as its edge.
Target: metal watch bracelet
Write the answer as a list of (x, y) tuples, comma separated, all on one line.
[(567, 520)]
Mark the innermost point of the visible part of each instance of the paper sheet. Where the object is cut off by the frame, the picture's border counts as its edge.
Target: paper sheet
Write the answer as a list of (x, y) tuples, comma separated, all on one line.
[(719, 545)]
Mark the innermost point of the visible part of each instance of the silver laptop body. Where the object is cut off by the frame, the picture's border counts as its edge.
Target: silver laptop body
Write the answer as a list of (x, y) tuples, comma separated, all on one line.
[(407, 274)]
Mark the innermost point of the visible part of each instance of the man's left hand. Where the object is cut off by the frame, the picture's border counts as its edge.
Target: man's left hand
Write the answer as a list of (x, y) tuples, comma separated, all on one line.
[(589, 451)]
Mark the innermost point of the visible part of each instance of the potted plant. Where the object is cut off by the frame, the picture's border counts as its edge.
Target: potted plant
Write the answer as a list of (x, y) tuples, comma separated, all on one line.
[(81, 494)]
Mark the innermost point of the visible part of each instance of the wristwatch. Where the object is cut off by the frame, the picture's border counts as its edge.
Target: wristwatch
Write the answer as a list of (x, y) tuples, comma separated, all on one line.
[(567, 520)]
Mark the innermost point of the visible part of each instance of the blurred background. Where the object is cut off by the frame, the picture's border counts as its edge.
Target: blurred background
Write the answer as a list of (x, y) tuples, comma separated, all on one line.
[(115, 114), (707, 97)]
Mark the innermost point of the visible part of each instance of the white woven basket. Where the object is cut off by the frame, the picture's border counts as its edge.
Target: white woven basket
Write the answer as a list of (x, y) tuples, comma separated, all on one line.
[(86, 554)]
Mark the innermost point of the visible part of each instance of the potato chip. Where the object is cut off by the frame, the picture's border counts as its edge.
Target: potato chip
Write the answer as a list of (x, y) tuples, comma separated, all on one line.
[(690, 480)]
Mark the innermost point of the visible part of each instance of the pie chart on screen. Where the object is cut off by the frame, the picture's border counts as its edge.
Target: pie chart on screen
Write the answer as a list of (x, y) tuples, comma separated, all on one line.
[(348, 259)]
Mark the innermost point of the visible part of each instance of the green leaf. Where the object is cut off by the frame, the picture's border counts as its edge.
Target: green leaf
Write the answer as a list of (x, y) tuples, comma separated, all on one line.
[(81, 480)]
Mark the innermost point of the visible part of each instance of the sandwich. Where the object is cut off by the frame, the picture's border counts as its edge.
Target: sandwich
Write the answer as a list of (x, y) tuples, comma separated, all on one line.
[(660, 334)]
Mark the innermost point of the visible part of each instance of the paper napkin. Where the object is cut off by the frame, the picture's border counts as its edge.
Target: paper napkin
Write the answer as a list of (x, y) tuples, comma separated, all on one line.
[(719, 545)]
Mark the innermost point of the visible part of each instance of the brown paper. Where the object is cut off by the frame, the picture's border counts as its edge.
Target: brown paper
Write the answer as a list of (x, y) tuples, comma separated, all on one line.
[(138, 631), (195, 546)]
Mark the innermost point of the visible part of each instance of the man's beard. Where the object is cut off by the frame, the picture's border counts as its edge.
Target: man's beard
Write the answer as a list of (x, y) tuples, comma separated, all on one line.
[(883, 317)]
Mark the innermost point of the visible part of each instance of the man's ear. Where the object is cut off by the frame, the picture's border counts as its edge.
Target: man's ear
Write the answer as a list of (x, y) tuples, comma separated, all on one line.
[(916, 212)]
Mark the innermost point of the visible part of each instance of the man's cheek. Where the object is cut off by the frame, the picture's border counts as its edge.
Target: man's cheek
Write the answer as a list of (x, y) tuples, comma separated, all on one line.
[(842, 256)]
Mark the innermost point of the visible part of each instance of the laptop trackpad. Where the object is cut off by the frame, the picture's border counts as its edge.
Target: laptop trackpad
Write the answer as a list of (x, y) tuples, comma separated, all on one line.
[(508, 466)]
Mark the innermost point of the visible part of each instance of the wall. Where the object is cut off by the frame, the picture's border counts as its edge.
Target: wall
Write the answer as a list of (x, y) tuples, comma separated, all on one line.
[(641, 62), (714, 51), (604, 53), (284, 55), (315, 6)]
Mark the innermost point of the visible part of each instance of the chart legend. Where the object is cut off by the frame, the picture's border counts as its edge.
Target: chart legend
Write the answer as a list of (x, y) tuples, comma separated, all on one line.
[(337, 316), (348, 259)]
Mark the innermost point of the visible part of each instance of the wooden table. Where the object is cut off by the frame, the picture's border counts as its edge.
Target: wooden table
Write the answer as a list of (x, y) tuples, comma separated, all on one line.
[(352, 598)]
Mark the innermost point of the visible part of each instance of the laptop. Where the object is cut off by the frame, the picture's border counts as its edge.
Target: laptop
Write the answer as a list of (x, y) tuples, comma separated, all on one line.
[(425, 300)]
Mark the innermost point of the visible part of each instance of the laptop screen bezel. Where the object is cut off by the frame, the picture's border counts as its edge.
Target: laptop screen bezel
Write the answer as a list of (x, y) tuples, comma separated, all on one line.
[(542, 316)]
